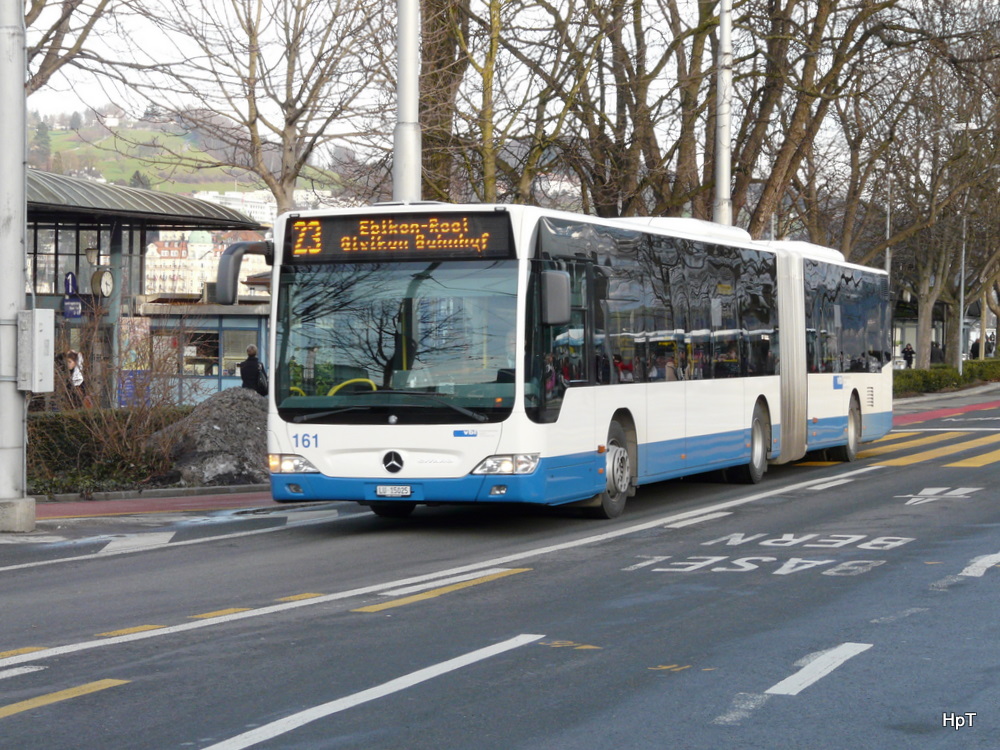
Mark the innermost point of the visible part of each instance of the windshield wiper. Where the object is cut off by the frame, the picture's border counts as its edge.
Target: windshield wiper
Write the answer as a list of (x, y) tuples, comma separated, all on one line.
[(444, 402), (299, 418)]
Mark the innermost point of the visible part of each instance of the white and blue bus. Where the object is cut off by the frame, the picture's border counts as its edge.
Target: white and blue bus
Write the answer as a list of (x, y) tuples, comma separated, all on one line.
[(435, 353)]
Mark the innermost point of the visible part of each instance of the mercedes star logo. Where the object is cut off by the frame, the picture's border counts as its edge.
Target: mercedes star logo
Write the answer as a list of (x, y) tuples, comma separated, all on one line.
[(392, 461)]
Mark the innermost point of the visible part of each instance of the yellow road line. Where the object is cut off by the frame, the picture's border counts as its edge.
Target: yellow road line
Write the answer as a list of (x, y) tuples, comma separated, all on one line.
[(19, 651), (299, 597), (438, 592), (977, 461), (936, 438), (938, 452), (129, 631), (895, 436), (219, 613), (62, 695)]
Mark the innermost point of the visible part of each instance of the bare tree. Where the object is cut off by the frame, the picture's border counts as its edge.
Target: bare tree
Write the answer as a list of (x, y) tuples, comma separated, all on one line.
[(268, 86), (59, 34)]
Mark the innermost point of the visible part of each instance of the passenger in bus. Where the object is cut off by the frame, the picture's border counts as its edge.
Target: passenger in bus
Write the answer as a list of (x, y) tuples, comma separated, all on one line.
[(550, 375), (624, 369), (696, 368)]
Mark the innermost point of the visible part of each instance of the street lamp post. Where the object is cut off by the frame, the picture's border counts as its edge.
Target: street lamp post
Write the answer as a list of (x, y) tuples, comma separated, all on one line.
[(961, 300)]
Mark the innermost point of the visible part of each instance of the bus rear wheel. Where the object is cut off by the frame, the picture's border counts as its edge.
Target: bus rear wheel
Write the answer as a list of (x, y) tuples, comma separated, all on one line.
[(618, 476), (392, 510), (760, 438), (849, 452)]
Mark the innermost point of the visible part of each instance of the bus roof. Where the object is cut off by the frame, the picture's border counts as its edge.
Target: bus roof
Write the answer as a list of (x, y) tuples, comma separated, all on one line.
[(805, 249)]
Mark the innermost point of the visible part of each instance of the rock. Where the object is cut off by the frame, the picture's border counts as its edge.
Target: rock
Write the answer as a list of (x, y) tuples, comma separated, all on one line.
[(223, 441)]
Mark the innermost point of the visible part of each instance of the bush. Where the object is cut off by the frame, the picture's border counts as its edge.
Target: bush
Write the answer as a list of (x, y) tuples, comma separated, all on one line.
[(985, 369), (944, 377), (91, 450)]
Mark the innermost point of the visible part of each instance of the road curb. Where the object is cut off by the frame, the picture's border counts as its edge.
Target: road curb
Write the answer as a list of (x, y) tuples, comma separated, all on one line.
[(160, 492)]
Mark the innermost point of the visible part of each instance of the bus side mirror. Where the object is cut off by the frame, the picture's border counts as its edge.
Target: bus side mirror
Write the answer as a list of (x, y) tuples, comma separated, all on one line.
[(555, 298), (228, 274)]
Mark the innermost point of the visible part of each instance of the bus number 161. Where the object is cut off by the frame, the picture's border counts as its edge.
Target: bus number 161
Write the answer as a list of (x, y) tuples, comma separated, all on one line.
[(306, 441)]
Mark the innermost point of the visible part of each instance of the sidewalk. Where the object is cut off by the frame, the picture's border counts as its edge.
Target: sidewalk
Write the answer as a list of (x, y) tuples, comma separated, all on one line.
[(905, 410), (158, 501)]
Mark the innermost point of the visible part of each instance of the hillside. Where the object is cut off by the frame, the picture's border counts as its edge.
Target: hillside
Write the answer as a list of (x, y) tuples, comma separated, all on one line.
[(94, 151)]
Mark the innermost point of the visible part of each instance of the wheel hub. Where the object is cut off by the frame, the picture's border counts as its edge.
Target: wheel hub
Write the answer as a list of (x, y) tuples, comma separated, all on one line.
[(618, 470)]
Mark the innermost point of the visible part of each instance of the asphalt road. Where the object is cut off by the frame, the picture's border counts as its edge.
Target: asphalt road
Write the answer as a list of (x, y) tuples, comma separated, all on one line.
[(831, 606)]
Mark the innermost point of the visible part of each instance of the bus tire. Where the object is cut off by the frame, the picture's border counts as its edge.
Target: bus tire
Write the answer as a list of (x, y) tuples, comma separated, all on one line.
[(849, 451), (760, 438), (618, 476), (392, 510)]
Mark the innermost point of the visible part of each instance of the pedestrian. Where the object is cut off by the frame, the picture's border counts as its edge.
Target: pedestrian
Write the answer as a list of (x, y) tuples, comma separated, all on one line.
[(252, 372), (908, 356), (75, 385)]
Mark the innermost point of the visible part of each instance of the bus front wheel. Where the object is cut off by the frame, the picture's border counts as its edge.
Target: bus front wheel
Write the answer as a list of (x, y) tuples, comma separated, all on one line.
[(618, 476)]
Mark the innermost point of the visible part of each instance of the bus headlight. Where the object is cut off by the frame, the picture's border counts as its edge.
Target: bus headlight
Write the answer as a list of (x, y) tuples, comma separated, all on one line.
[(517, 463), (289, 463)]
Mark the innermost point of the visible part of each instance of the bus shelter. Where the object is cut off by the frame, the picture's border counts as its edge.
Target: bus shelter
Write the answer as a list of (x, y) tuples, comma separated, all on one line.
[(85, 259)]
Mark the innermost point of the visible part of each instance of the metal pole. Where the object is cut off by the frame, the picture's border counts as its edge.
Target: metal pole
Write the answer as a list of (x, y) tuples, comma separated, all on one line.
[(17, 512), (406, 136), (888, 225), (723, 208), (961, 304)]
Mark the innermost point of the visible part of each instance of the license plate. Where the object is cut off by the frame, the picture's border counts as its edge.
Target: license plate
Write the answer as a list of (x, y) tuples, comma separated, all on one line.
[(392, 490)]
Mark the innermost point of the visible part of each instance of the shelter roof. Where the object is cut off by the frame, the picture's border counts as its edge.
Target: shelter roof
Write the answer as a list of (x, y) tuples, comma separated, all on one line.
[(66, 197)]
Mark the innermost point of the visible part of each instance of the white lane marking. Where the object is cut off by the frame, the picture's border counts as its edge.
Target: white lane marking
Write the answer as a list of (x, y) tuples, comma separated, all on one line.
[(137, 542), (834, 483), (950, 429), (647, 561), (21, 539), (698, 519), (979, 565), (334, 516), (444, 582), (744, 704), (817, 669), (893, 618), (944, 583), (6, 673), (290, 723), (378, 587)]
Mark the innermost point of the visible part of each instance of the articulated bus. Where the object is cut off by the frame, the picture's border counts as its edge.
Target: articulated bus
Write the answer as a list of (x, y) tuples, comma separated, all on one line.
[(431, 353)]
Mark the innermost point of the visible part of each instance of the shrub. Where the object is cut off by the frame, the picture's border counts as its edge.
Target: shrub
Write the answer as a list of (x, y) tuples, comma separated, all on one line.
[(984, 369), (925, 381), (90, 450)]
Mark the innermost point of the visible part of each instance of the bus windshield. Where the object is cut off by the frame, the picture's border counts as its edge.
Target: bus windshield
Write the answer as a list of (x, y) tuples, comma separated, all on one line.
[(398, 342)]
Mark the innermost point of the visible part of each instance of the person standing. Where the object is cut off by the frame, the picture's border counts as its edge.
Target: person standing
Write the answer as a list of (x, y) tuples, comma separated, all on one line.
[(908, 354), (252, 372), (76, 388)]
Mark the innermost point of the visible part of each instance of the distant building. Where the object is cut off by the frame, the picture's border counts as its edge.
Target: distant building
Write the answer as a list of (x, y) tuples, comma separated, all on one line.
[(261, 206), (184, 261)]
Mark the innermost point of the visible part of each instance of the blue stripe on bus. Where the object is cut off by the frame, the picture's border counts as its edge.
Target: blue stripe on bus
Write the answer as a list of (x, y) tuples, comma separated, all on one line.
[(557, 480), (564, 479), (830, 432)]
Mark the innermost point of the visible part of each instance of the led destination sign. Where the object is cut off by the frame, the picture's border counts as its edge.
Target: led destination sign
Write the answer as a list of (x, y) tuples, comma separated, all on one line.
[(366, 237)]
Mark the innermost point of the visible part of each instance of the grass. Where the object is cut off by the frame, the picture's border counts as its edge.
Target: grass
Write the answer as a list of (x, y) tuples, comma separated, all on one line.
[(117, 162)]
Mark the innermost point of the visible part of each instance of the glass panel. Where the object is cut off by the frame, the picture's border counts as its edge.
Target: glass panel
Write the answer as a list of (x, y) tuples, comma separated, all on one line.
[(45, 268), (201, 353), (234, 350), (415, 342)]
